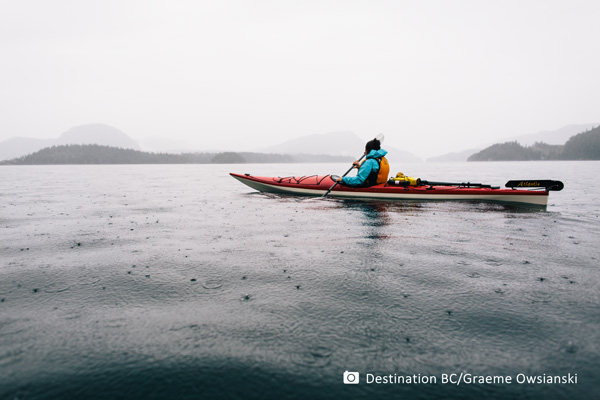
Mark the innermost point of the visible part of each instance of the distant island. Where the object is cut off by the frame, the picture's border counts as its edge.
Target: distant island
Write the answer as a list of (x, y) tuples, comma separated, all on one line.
[(101, 134), (97, 154), (583, 146), (103, 144)]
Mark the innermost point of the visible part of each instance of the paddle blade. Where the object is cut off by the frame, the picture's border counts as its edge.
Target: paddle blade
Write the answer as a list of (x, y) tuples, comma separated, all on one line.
[(546, 184), (380, 137)]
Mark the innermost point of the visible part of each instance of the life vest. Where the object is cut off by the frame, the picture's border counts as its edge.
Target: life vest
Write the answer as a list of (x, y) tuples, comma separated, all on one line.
[(379, 176)]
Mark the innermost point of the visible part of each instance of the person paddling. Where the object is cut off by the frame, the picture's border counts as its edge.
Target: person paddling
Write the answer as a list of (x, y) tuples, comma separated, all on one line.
[(373, 171)]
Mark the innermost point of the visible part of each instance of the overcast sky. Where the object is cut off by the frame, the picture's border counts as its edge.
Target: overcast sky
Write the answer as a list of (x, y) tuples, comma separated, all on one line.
[(433, 76)]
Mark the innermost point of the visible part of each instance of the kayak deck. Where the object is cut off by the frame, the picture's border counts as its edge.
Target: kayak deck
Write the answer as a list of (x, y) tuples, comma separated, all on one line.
[(317, 185)]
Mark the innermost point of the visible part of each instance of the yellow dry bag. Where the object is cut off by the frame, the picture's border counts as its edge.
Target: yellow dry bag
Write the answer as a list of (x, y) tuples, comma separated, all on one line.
[(404, 180)]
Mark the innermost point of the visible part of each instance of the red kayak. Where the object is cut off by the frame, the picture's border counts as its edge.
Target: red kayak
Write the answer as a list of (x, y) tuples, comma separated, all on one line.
[(528, 192)]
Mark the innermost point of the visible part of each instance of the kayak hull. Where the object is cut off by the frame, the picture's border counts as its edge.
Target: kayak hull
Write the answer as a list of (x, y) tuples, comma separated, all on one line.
[(318, 185)]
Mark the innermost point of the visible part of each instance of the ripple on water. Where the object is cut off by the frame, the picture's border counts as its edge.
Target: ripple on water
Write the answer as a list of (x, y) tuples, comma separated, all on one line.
[(312, 357), (494, 262), (450, 251), (212, 284), (539, 296), (56, 287), (89, 280)]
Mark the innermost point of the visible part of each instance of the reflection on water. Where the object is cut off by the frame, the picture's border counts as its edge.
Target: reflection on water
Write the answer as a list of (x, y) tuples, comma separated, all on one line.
[(376, 218)]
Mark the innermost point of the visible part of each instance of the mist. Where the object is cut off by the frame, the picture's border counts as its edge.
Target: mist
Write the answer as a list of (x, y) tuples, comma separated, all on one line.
[(433, 76)]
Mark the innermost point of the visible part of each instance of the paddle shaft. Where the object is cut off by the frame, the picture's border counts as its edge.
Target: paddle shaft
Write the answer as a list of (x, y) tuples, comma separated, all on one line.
[(347, 172), (466, 184)]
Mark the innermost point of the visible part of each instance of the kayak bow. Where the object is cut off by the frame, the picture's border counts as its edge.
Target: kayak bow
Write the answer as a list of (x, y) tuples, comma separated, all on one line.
[(316, 185)]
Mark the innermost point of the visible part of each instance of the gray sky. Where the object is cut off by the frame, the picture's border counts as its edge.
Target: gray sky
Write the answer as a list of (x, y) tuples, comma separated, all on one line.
[(433, 76)]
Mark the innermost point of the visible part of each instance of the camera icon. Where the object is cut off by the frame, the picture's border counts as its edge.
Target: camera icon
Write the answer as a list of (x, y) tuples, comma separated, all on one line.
[(351, 378)]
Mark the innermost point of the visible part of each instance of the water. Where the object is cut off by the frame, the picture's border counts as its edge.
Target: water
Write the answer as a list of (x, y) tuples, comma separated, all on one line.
[(152, 282)]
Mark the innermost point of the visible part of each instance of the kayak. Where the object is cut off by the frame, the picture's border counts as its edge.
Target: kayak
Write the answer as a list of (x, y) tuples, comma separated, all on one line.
[(525, 192)]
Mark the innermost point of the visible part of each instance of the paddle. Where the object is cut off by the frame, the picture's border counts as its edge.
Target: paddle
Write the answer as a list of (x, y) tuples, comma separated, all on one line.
[(545, 183), (379, 137), (463, 184)]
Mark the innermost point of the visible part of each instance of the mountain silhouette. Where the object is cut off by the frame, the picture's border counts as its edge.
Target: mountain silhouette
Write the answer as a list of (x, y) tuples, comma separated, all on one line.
[(100, 134), (553, 137), (339, 143)]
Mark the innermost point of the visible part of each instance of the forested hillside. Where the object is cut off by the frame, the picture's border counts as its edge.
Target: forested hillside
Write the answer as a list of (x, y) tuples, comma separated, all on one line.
[(96, 154), (584, 146)]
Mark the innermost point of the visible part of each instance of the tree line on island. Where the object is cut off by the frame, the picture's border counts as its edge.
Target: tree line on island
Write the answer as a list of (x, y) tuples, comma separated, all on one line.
[(97, 154), (583, 146)]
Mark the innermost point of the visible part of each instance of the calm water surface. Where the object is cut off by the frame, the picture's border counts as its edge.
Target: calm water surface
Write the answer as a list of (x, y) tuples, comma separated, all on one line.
[(152, 282)]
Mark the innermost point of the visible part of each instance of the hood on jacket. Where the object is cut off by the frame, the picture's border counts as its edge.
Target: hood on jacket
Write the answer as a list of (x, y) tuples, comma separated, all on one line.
[(377, 153)]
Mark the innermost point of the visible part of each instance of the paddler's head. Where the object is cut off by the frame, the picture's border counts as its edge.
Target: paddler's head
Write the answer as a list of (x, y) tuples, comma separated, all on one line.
[(372, 145)]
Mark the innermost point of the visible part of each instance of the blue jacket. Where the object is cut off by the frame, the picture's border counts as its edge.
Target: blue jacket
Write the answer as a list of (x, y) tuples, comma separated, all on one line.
[(370, 165)]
